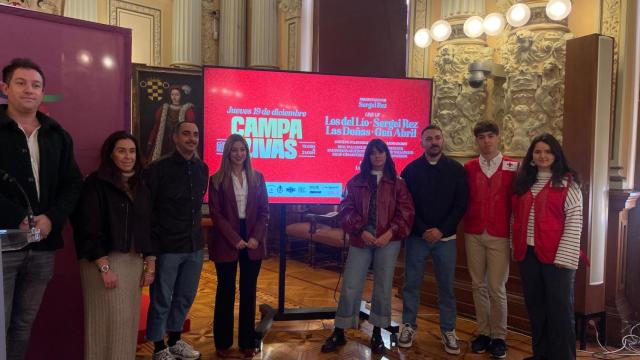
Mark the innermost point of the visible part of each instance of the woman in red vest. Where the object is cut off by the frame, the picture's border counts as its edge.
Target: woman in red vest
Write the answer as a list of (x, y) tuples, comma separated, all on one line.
[(239, 209), (547, 224)]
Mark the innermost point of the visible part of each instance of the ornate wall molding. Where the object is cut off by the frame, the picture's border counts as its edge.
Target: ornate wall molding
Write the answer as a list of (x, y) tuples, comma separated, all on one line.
[(610, 25), (210, 31), (534, 57), (292, 45), (291, 11), (504, 5), (290, 8), (458, 106), (117, 7), (419, 58)]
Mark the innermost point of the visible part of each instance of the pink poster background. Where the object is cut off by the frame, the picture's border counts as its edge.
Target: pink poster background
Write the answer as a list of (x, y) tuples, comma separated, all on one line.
[(337, 116)]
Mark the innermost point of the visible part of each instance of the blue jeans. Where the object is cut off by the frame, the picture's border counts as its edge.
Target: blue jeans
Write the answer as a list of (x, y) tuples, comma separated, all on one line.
[(355, 273), (25, 275), (172, 292), (444, 265)]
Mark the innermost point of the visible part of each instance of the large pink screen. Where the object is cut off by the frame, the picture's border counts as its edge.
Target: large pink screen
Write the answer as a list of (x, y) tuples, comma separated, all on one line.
[(307, 132)]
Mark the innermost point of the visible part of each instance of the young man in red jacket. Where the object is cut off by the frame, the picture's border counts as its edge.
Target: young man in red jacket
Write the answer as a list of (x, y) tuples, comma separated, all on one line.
[(486, 226)]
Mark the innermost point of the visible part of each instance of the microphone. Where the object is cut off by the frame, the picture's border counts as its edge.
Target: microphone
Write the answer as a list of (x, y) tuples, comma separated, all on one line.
[(5, 176)]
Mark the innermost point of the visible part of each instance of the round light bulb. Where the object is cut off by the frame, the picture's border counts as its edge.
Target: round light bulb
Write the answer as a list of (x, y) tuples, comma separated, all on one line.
[(422, 38), (558, 9), (440, 30), (108, 62), (473, 27), (518, 15), (493, 24)]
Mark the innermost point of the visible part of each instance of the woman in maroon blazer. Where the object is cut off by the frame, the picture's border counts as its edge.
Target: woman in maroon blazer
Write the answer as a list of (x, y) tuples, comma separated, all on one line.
[(239, 210)]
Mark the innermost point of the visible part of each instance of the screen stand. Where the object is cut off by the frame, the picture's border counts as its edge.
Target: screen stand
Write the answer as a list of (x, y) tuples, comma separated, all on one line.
[(269, 314)]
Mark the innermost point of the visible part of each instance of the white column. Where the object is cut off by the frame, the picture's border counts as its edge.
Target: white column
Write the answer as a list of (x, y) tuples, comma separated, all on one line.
[(81, 9), (233, 24), (263, 39), (306, 36), (186, 39), (457, 8)]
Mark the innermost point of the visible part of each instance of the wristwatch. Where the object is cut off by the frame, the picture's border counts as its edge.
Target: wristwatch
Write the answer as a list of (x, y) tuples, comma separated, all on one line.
[(104, 268)]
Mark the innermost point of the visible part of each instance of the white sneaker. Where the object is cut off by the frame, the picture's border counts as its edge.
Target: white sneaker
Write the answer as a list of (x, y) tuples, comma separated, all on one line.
[(184, 351), (163, 355), (407, 334), (450, 341)]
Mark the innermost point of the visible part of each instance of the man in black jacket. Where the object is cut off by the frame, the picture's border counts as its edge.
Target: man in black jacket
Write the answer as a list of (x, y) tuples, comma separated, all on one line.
[(177, 183), (38, 153), (439, 189)]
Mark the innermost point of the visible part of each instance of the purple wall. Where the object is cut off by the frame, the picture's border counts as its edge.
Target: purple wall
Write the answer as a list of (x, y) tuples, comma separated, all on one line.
[(87, 67), (361, 37)]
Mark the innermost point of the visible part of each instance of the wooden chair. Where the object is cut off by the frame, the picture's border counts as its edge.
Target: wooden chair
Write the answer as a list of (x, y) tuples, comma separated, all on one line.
[(319, 229)]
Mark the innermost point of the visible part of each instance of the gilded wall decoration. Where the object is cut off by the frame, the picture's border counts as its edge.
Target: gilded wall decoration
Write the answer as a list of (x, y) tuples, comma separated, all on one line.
[(210, 31), (458, 106), (534, 58), (504, 5)]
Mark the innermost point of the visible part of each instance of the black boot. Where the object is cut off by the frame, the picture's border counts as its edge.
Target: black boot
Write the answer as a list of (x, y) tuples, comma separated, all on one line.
[(377, 345), (336, 339)]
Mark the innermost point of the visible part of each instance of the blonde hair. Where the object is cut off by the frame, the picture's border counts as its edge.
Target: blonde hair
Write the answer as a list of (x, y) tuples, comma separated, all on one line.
[(224, 172)]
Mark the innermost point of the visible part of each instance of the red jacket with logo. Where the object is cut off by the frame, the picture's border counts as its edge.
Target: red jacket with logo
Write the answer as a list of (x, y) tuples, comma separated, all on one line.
[(489, 206), (548, 222)]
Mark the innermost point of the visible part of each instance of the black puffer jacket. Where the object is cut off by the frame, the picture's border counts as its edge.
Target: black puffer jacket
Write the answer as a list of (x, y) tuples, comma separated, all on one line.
[(107, 219)]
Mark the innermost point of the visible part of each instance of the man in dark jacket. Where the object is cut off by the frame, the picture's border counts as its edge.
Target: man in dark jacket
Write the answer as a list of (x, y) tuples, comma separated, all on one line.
[(439, 190), (38, 153), (177, 183)]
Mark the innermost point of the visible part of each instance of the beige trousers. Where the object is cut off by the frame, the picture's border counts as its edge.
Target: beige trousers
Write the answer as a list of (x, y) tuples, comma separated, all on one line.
[(488, 261), (111, 315)]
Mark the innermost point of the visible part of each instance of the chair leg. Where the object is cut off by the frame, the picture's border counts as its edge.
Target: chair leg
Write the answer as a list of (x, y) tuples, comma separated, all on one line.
[(312, 254)]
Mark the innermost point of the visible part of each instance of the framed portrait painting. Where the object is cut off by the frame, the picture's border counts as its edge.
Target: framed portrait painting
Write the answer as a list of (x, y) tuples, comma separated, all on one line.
[(163, 98), (55, 7)]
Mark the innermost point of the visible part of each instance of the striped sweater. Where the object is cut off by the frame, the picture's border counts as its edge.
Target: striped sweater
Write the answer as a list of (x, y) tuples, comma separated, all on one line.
[(568, 252)]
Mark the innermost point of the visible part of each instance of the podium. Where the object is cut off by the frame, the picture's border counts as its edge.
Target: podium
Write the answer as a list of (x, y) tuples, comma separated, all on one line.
[(12, 240)]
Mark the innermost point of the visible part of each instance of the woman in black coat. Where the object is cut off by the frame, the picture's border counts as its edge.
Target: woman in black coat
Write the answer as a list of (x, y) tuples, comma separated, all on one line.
[(113, 243)]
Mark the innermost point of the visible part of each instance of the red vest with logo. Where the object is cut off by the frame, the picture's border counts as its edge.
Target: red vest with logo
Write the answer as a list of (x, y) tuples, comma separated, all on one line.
[(489, 206), (548, 224)]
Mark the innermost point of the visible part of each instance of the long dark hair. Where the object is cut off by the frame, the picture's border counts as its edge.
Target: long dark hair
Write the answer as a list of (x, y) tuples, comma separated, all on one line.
[(528, 173), (389, 167), (108, 168), (224, 172)]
